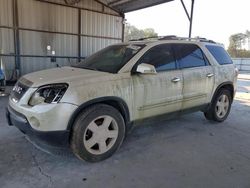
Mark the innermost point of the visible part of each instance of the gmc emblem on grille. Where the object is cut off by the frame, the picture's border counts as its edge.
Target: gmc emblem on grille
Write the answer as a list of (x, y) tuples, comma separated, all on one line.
[(18, 89)]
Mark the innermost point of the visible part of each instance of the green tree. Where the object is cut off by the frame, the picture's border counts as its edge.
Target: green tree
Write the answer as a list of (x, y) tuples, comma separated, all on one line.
[(149, 32), (236, 42), (132, 33), (248, 34), (248, 38)]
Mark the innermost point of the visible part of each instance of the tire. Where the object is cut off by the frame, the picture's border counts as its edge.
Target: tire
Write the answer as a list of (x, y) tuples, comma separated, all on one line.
[(214, 112), (97, 133), (222, 100)]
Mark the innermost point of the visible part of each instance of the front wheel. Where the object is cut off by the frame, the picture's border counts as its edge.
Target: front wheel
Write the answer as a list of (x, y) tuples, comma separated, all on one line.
[(97, 133), (220, 107)]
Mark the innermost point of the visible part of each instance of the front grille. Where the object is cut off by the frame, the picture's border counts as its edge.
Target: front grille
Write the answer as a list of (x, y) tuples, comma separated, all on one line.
[(19, 90)]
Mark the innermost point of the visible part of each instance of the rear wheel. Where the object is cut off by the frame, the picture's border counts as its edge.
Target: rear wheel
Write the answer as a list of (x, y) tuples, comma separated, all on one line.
[(220, 107), (97, 133)]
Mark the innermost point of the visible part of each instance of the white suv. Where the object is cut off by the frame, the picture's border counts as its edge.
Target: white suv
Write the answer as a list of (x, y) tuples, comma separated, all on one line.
[(90, 107)]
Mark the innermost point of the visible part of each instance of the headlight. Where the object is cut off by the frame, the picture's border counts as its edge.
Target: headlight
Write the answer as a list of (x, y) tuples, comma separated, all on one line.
[(48, 94)]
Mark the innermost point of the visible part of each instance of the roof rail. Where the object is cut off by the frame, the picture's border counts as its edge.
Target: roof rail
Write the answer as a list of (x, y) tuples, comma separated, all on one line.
[(174, 37), (168, 37), (199, 39)]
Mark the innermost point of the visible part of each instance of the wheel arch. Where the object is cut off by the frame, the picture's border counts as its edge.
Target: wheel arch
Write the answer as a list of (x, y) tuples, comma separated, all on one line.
[(115, 102), (225, 85)]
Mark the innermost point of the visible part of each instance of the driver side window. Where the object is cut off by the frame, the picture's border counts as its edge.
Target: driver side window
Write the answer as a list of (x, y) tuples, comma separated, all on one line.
[(161, 57)]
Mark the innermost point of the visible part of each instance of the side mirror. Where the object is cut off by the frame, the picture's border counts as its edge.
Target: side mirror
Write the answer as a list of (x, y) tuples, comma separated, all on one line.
[(145, 68)]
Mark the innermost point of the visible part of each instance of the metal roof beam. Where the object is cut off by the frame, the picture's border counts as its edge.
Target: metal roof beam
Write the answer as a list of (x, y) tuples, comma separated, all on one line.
[(189, 16), (118, 2), (185, 9), (125, 6), (108, 6)]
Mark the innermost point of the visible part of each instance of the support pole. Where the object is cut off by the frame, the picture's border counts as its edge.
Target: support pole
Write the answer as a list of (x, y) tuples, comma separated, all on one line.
[(16, 38), (191, 19), (79, 44), (123, 27), (185, 9)]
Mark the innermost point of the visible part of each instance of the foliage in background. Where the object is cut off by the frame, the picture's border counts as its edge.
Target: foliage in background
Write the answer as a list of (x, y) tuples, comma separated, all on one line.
[(236, 45), (131, 32)]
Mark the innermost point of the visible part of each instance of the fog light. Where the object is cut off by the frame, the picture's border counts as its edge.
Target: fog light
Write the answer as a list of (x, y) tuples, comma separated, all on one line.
[(34, 122)]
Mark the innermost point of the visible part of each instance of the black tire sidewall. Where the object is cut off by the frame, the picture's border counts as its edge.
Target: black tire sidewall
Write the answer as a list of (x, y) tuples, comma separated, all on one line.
[(83, 121)]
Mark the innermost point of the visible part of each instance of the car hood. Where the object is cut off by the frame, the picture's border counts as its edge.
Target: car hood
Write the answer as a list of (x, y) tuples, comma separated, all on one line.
[(64, 75)]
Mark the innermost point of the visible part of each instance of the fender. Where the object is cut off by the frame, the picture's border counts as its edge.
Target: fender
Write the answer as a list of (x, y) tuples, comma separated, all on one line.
[(220, 86), (123, 108)]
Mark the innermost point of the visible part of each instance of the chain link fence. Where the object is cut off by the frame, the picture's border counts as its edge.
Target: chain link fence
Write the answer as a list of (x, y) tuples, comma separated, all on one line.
[(243, 64)]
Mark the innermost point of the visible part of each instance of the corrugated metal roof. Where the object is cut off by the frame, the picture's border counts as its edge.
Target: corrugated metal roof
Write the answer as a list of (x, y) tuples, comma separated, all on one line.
[(125, 6)]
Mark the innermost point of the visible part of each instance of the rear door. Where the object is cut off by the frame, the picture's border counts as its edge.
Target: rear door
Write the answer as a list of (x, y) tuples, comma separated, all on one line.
[(160, 93), (198, 75)]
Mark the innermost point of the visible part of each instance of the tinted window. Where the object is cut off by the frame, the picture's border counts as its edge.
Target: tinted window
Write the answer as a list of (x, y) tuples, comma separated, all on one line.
[(219, 54), (189, 55), (161, 57), (112, 58)]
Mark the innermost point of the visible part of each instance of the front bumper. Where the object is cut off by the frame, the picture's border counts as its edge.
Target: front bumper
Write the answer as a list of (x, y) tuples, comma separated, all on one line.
[(50, 138)]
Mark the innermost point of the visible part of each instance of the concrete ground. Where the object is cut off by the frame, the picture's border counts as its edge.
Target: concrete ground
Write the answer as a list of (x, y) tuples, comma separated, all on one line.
[(185, 152)]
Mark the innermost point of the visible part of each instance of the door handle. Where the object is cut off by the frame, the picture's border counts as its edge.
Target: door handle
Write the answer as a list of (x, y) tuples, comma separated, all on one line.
[(176, 79), (209, 75)]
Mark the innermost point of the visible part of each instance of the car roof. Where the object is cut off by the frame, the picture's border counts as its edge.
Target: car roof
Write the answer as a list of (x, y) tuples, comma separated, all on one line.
[(172, 39)]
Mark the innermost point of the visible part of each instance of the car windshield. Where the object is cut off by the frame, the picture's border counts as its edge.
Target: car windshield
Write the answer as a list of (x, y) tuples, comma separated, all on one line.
[(112, 58)]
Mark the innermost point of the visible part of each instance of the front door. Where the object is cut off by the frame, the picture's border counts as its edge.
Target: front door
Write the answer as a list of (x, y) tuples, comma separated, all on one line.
[(156, 94)]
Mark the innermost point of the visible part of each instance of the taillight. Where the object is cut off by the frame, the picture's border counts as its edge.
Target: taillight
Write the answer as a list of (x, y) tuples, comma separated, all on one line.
[(236, 72)]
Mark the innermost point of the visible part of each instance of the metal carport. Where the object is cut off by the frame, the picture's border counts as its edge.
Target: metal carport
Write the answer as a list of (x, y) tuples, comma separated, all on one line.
[(30, 30), (125, 6)]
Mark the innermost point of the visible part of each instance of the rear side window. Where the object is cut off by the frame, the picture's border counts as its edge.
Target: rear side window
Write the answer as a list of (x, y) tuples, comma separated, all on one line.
[(161, 57), (189, 55), (219, 54)]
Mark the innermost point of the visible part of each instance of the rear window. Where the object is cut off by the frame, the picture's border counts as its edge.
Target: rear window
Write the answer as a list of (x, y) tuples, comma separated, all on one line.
[(219, 54), (189, 55)]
